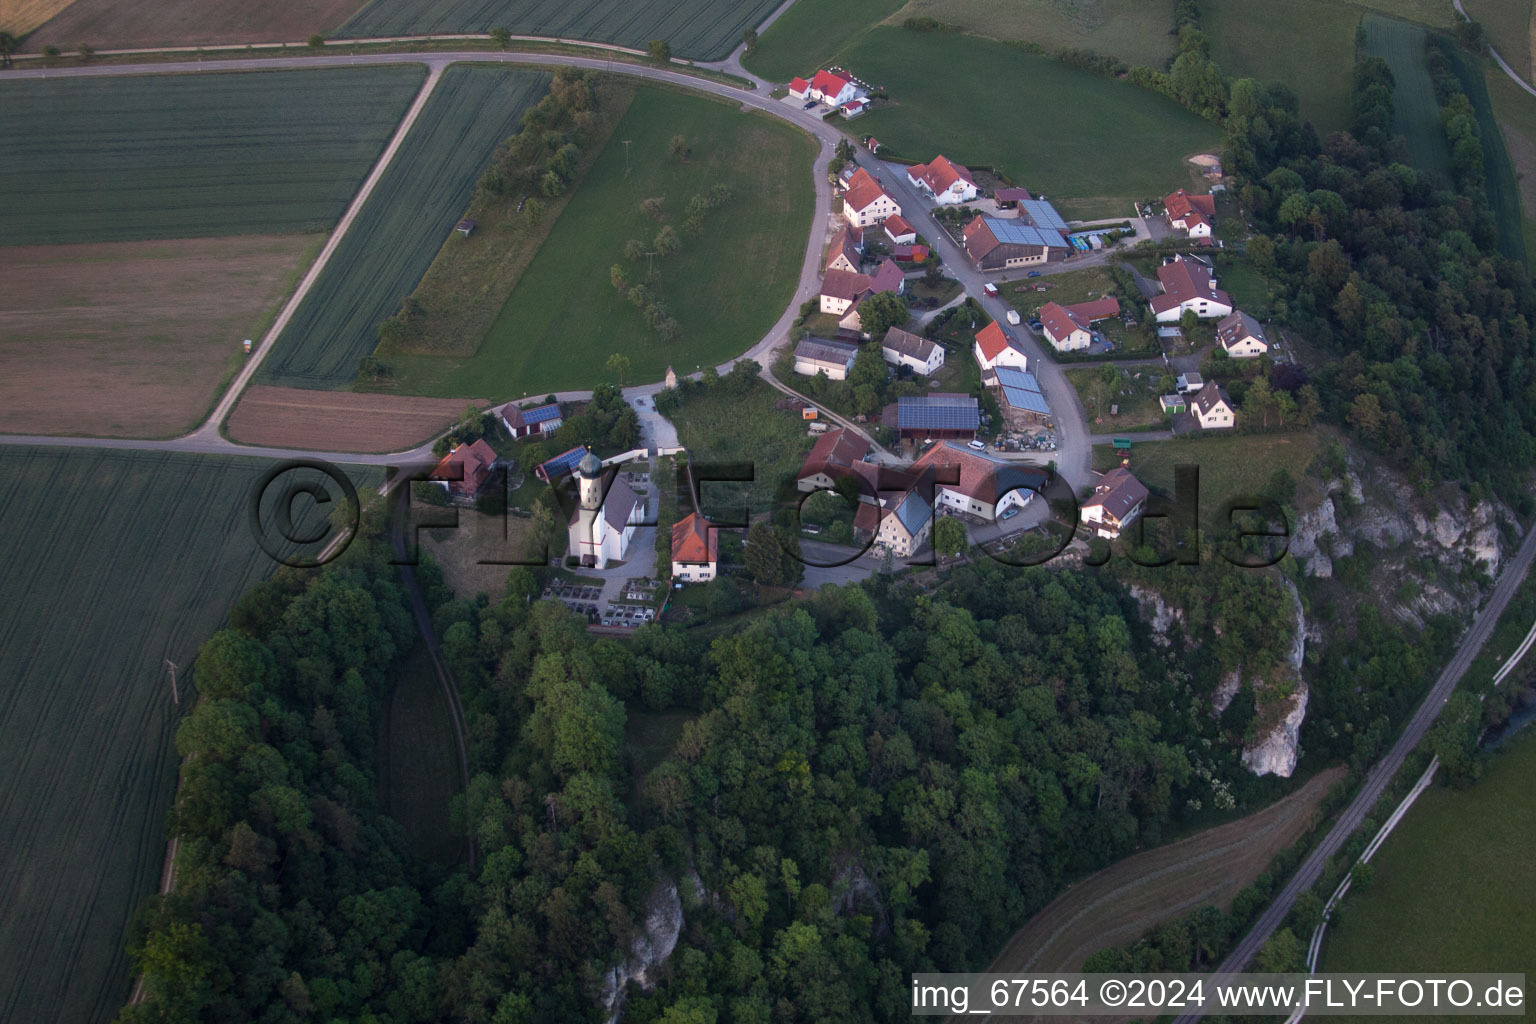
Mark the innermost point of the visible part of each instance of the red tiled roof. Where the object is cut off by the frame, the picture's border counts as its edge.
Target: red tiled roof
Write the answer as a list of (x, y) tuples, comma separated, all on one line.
[(979, 239), (835, 450), (1179, 204), (798, 85), (940, 174), (899, 225), (1011, 195), (863, 190), (465, 467), (910, 252), (1098, 309), (887, 277), (992, 340), (844, 284), (981, 478), (1059, 321), (1183, 280), (694, 541), (829, 83)]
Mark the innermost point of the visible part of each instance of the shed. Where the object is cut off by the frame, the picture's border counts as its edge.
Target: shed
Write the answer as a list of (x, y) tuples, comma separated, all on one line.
[(465, 227)]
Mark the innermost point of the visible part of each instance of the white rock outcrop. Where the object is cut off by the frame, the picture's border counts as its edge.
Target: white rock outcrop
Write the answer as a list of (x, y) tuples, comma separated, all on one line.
[(663, 924), (1158, 613), (1276, 752)]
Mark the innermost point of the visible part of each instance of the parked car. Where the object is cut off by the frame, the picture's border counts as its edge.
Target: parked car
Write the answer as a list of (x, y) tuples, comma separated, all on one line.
[(979, 446), (809, 104), (1009, 512), (1033, 273)]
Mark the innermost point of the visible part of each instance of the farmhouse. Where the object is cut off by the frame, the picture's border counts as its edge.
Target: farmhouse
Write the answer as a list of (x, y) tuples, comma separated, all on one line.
[(899, 231), (842, 293), (865, 202), (977, 484), (846, 250), (1118, 499), (836, 454), (903, 348), (904, 528), (1019, 396), (539, 419), (1213, 409), (602, 525), (834, 87), (1188, 285), (1068, 328), (695, 549), (465, 469), (1194, 215), (948, 183), (1242, 336), (936, 415), (995, 244), (996, 347), (822, 355)]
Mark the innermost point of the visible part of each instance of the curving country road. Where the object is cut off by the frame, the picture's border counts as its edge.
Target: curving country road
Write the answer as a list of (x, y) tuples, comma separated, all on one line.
[(1379, 776)]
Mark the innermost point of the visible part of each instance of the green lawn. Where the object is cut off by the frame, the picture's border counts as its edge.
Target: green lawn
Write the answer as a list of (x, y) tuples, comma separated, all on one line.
[(1307, 44), (1416, 112), (718, 426), (1248, 288), (1452, 884), (811, 33), (1135, 31), (701, 29), (402, 226), (114, 562), (180, 156), (1508, 24), (1135, 393), (1091, 144), (726, 287), (418, 757)]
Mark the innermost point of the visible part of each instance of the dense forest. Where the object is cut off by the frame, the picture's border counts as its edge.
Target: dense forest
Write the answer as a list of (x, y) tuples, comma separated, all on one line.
[(870, 782)]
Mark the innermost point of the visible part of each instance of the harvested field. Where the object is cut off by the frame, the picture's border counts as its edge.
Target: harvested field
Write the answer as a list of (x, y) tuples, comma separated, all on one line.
[(115, 24), (133, 339), (18, 17), (339, 421), (182, 156), (400, 229), (701, 29), (114, 562), (1127, 899)]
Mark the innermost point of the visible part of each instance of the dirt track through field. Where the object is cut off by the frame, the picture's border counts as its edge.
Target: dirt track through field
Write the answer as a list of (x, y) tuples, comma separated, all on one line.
[(345, 421), (1127, 899)]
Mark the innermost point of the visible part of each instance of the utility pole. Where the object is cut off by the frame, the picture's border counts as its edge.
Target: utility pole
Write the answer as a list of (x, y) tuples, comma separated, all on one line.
[(626, 158), (175, 696)]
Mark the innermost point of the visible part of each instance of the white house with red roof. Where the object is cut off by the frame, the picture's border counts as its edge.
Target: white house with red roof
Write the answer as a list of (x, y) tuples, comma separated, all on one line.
[(846, 250), (834, 87), (1187, 285), (899, 230), (995, 347), (798, 87), (1192, 214), (1069, 328), (949, 183), (842, 292), (865, 202), (695, 549), (465, 469)]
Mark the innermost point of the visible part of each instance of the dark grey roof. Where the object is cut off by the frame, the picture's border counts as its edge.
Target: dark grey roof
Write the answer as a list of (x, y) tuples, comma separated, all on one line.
[(908, 344), (913, 512), (619, 504), (826, 350)]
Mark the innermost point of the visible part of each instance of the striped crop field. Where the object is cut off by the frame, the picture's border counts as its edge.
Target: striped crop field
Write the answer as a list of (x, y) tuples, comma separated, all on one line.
[(1416, 112), (700, 29), (182, 156), (402, 226), (114, 562)]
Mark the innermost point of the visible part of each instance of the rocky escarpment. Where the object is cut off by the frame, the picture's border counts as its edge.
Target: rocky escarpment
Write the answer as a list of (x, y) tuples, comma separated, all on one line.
[(1277, 742), (663, 924)]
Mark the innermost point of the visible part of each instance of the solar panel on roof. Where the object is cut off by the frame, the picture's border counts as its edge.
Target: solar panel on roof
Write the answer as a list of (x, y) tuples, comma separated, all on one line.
[(1011, 377), (1013, 232), (937, 412), (1043, 214), (913, 513), (541, 413), (563, 463), (1032, 401)]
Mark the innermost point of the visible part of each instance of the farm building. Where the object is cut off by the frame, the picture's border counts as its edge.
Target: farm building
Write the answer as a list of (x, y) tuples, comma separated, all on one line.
[(903, 348), (1213, 408), (1009, 198), (939, 415), (834, 456), (1242, 336), (948, 183), (1069, 328), (846, 251), (1188, 285), (842, 293), (904, 528), (602, 524), (1174, 404), (1118, 499), (1019, 396), (463, 472), (822, 355), (978, 484), (994, 346), (539, 419), (1194, 215), (995, 244), (865, 202), (695, 549), (899, 230)]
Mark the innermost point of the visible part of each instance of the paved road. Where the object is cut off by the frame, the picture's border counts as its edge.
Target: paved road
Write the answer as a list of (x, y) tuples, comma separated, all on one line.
[(1521, 82), (1377, 779)]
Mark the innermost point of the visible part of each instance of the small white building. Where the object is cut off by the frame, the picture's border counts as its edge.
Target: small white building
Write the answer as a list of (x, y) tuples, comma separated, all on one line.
[(948, 183), (1242, 336), (994, 347), (822, 355), (903, 348), (899, 230), (1213, 408)]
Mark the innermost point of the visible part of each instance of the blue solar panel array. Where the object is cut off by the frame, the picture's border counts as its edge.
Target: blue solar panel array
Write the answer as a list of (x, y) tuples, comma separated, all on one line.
[(1021, 390), (562, 464), (541, 413), (913, 512), (1043, 214), (1016, 232), (937, 412)]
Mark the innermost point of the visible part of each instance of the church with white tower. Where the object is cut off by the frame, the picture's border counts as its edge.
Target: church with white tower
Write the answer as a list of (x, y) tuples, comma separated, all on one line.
[(603, 524)]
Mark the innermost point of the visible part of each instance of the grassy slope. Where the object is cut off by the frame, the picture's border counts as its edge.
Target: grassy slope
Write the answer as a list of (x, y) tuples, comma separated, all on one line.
[(1508, 24), (1449, 880), (811, 33), (1136, 31), (176, 156), (399, 230), (114, 562), (1417, 114), (726, 287), (1516, 112), (1246, 40), (700, 29), (1091, 144)]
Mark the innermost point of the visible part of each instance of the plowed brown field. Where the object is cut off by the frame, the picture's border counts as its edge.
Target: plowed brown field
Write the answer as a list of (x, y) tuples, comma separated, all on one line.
[(340, 421), (121, 24)]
